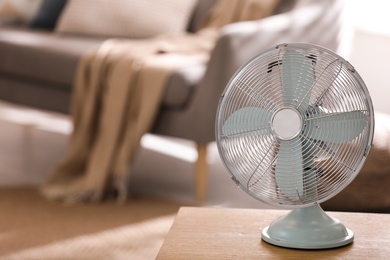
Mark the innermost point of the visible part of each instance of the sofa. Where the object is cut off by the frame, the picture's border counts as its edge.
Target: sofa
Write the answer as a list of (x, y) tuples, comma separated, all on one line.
[(37, 66)]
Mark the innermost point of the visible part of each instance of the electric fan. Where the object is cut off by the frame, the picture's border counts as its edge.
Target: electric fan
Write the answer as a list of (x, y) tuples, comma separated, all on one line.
[(294, 127)]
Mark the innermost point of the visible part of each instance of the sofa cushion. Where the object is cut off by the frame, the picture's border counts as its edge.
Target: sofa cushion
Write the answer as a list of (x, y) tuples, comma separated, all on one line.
[(41, 55), (18, 11), (47, 15), (182, 84), (123, 18), (49, 58), (200, 13)]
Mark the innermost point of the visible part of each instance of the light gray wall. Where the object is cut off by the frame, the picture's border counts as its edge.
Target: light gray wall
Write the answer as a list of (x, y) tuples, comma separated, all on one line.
[(370, 55), (370, 49)]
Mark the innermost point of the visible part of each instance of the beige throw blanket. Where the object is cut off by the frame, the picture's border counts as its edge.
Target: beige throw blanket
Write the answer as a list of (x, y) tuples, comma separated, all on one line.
[(230, 11), (117, 92)]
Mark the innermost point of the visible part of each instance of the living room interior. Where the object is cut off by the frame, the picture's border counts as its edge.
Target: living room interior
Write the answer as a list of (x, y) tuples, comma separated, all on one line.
[(34, 139)]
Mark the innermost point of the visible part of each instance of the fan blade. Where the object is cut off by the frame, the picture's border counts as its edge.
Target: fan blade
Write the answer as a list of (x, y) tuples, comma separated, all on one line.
[(348, 126), (298, 80), (289, 169), (248, 121)]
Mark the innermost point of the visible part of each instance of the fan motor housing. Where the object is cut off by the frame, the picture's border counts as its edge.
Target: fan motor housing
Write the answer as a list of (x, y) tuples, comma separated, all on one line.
[(287, 123)]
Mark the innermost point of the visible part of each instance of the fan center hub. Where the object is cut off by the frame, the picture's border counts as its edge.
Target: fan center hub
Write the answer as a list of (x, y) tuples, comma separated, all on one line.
[(287, 123)]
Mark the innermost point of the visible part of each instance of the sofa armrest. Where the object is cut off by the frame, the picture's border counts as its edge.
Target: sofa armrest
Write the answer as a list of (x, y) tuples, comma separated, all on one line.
[(318, 22)]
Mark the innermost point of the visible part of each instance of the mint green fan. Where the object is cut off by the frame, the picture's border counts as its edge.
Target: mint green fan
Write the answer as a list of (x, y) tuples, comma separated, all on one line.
[(294, 127)]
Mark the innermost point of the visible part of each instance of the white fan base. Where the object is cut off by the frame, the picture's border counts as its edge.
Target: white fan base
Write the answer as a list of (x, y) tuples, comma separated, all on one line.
[(307, 228)]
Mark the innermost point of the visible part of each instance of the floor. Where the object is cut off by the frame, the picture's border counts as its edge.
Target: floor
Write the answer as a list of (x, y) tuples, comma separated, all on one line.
[(32, 142)]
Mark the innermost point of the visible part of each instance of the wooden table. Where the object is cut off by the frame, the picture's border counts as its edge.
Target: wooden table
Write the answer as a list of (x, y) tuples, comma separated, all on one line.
[(221, 233)]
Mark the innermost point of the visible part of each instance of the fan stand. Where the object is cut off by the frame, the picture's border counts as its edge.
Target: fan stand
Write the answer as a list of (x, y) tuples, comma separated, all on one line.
[(307, 228)]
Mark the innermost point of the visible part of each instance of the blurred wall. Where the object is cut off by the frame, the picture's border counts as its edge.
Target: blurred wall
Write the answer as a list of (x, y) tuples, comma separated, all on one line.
[(370, 55), (370, 49)]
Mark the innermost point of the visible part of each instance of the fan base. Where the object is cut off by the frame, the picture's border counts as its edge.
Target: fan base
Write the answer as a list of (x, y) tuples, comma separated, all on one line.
[(307, 228)]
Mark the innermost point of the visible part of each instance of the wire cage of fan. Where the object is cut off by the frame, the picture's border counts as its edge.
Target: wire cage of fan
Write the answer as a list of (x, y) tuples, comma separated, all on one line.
[(294, 125)]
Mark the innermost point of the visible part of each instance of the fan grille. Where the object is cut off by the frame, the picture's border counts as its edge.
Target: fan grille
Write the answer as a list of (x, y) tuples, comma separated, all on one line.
[(321, 162)]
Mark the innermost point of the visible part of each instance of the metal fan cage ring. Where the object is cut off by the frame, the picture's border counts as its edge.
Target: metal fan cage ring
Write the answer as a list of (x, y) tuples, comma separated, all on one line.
[(332, 143)]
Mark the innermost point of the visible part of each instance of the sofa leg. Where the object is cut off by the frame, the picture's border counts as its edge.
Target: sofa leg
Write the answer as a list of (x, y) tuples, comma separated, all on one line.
[(201, 174)]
